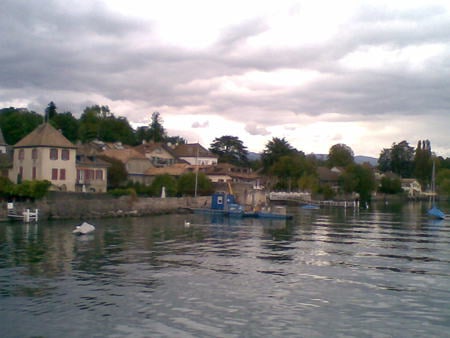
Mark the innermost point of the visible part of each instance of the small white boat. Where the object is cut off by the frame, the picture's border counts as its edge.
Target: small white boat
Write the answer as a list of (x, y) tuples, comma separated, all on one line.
[(83, 229)]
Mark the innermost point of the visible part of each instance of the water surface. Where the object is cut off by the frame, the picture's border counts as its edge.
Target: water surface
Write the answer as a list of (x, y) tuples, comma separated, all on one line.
[(381, 272)]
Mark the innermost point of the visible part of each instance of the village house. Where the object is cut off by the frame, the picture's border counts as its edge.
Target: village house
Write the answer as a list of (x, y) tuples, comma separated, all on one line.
[(329, 177), (45, 154), (91, 170), (159, 154), (412, 187), (195, 154), (136, 164)]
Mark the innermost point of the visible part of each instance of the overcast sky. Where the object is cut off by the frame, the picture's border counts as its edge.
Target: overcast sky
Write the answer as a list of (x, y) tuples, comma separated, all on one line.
[(366, 74)]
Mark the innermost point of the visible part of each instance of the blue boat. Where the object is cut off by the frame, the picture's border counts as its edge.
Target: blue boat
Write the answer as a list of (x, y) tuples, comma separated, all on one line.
[(436, 213), (223, 204), (277, 212)]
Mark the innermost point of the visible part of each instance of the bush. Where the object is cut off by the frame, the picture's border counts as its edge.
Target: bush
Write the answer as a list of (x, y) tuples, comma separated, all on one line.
[(26, 189), (122, 192), (167, 181)]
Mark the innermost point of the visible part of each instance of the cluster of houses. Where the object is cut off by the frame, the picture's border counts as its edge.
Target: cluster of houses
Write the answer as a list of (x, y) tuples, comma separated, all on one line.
[(45, 154)]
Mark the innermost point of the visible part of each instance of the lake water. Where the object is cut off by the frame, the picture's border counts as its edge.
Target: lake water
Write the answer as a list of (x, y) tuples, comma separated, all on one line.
[(381, 272)]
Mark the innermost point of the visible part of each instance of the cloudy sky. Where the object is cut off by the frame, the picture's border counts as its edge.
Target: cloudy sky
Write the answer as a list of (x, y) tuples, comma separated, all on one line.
[(363, 73)]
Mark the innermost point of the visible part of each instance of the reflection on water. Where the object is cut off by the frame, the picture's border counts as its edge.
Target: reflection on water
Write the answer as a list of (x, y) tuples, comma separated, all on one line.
[(331, 272)]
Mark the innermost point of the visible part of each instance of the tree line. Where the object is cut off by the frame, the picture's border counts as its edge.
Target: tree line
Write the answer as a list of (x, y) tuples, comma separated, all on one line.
[(286, 167)]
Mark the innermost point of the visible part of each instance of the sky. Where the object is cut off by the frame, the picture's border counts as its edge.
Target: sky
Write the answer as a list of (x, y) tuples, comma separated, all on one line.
[(367, 74)]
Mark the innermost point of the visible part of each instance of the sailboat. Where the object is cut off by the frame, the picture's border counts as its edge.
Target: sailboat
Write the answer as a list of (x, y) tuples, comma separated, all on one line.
[(434, 211)]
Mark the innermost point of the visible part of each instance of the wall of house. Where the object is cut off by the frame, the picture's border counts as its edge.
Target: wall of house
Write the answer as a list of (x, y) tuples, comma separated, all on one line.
[(44, 166), (200, 160), (91, 184)]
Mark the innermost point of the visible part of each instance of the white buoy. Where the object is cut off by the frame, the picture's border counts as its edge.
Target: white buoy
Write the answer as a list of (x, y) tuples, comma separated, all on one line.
[(84, 229)]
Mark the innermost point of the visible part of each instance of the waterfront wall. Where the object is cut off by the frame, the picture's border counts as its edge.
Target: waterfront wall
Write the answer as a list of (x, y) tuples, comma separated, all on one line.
[(60, 205)]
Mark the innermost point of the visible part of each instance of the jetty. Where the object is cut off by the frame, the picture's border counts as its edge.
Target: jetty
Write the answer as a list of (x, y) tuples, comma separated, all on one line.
[(26, 215), (305, 198)]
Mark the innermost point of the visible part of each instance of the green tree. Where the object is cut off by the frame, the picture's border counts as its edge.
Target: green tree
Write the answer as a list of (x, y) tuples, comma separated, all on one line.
[(360, 179), (402, 159), (68, 125), (89, 124), (423, 163), (230, 149), (17, 123), (443, 181), (167, 181), (186, 184), (117, 173), (274, 150), (385, 160), (390, 185), (156, 132), (6, 186), (340, 155), (50, 111)]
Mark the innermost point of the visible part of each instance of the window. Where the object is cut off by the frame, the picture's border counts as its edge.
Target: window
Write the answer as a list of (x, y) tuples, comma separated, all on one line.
[(99, 175), (53, 154), (54, 174), (65, 155), (21, 154), (34, 154), (62, 174), (34, 173)]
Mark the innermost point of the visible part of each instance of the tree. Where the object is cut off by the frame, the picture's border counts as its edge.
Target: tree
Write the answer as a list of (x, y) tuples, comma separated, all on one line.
[(384, 161), (340, 155), (117, 173), (390, 185), (360, 179), (68, 125), (50, 111), (168, 182), (423, 162), (443, 181), (230, 149), (186, 184), (275, 149), (17, 123), (402, 159), (156, 132)]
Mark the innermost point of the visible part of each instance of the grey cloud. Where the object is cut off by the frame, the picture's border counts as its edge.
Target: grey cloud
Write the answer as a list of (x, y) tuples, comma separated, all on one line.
[(197, 124), (254, 129), (52, 53)]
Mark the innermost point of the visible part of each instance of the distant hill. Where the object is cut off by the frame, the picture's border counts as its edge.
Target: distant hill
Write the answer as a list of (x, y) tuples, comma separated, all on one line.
[(253, 156), (366, 159), (359, 159)]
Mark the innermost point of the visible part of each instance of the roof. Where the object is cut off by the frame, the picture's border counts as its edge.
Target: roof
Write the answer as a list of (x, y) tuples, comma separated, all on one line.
[(124, 155), (192, 150), (145, 148), (45, 135), (91, 161), (174, 170), (2, 139), (326, 174)]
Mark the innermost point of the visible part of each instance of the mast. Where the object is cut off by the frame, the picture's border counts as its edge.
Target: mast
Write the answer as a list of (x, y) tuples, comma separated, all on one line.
[(196, 171)]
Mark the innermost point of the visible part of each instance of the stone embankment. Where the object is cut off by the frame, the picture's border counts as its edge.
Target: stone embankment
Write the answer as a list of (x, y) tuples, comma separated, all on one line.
[(90, 205)]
